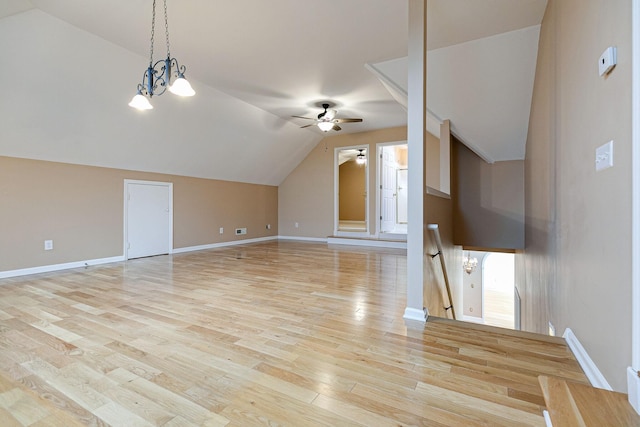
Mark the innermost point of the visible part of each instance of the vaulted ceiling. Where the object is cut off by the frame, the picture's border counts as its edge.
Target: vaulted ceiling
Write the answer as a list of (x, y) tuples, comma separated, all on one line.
[(72, 66)]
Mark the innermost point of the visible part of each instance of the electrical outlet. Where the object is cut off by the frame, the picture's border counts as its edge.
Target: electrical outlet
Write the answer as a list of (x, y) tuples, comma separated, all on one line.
[(268, 226), (604, 156), (48, 245), (221, 230), (240, 231), (296, 225)]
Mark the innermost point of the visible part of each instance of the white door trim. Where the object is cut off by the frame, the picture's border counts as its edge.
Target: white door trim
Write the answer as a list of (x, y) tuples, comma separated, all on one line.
[(169, 185), (633, 381), (336, 193), (378, 201)]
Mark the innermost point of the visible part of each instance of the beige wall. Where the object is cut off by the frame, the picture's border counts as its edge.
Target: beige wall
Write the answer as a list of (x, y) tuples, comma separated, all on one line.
[(353, 191), (432, 162), (576, 266), (81, 208), (488, 201), (306, 195)]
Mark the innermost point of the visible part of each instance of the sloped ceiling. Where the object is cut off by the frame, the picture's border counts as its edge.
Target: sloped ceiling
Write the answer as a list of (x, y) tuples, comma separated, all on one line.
[(74, 64)]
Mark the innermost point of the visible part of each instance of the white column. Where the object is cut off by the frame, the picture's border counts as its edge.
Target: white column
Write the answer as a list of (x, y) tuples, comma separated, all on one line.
[(417, 109)]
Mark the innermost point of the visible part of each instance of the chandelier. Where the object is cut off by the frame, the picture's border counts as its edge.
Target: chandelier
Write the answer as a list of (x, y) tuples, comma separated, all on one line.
[(469, 264), (157, 77)]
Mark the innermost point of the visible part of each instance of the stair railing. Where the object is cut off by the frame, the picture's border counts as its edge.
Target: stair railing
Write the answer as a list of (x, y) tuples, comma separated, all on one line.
[(440, 255)]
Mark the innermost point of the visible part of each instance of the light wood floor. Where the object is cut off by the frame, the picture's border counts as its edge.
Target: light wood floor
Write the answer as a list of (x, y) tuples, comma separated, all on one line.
[(277, 333)]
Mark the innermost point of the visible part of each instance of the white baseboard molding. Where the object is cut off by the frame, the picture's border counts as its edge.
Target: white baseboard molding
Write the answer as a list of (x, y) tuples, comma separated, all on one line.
[(547, 418), (58, 267), (304, 239), (633, 386), (414, 314), (473, 319), (588, 366), (367, 242), (223, 244)]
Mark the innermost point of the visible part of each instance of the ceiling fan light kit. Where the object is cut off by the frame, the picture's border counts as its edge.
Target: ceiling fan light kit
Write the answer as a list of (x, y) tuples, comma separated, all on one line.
[(157, 77), (326, 120)]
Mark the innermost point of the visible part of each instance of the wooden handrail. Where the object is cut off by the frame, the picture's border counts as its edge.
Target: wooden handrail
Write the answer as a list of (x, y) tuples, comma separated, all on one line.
[(440, 254)]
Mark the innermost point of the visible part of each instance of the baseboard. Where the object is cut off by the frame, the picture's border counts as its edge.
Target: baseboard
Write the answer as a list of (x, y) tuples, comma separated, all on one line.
[(547, 418), (633, 386), (588, 366), (473, 319), (304, 239), (58, 267), (223, 244), (367, 242), (414, 314)]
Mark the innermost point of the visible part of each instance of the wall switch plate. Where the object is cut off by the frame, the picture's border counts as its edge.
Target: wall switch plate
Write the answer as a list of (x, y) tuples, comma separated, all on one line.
[(604, 156), (607, 61), (48, 245)]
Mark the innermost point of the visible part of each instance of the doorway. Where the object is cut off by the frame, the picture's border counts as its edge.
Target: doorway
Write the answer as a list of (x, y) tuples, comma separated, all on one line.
[(392, 206), (148, 218), (351, 191), (489, 294)]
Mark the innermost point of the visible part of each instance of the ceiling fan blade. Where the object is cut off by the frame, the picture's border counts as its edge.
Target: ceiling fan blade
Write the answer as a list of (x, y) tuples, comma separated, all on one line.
[(347, 120), (336, 127), (306, 118), (306, 126)]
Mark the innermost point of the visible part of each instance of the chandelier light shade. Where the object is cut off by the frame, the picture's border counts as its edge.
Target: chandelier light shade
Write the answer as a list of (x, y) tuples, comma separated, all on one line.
[(325, 126), (157, 78)]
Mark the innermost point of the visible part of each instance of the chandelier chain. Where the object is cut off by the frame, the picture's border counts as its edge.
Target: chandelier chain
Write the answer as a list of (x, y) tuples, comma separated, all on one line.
[(166, 28), (153, 30)]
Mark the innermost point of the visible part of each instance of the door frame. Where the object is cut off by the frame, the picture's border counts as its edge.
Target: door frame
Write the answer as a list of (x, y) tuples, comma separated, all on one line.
[(633, 381), (169, 186), (336, 192), (378, 199)]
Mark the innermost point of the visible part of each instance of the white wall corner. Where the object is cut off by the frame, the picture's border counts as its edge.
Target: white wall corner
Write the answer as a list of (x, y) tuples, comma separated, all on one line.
[(633, 386), (588, 366)]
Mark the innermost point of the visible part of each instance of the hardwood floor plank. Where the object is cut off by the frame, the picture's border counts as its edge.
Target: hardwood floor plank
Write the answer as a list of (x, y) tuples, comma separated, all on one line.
[(274, 333)]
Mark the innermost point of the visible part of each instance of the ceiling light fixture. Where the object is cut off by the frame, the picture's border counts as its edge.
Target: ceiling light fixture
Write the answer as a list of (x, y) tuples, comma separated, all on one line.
[(361, 159), (325, 126), (469, 264), (157, 78)]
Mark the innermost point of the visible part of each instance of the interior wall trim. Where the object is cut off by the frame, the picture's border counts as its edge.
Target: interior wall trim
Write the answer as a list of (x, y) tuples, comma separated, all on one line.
[(303, 239), (57, 267), (223, 244), (586, 363), (414, 314)]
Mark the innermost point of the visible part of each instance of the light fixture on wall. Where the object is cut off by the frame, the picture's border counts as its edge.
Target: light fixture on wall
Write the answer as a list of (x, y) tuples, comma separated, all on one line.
[(469, 264), (157, 77), (361, 159)]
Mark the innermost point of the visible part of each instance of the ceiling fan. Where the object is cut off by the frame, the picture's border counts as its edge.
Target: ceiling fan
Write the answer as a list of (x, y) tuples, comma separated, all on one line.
[(327, 120)]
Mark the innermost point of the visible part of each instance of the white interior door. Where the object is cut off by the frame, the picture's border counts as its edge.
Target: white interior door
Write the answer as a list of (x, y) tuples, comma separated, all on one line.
[(402, 183), (148, 218), (387, 190)]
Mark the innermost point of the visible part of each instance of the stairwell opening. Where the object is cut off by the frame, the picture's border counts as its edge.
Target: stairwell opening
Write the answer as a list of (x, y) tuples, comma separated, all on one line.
[(489, 290)]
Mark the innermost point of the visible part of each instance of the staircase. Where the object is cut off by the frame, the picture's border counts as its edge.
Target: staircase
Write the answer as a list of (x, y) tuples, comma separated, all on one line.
[(536, 372)]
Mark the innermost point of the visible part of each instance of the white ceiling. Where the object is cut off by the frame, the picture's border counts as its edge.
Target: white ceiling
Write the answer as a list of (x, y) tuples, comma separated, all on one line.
[(253, 64)]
